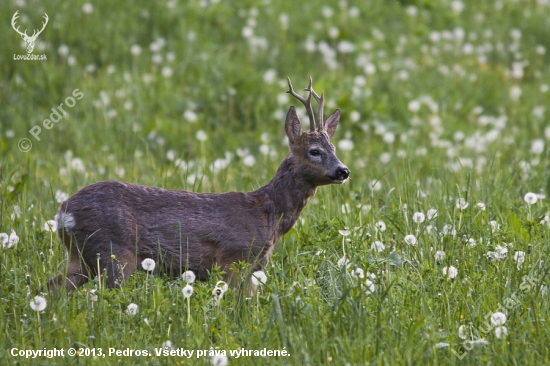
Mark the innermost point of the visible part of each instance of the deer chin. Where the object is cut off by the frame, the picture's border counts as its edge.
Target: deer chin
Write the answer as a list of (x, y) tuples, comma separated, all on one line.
[(337, 181)]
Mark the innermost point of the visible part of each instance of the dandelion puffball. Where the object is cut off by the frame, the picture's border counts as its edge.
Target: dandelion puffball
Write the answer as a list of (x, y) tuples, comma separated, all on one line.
[(148, 264), (259, 278), (418, 217), (38, 303), (450, 272), (132, 309), (500, 331), (410, 239), (187, 290), (498, 318), (189, 276), (530, 198)]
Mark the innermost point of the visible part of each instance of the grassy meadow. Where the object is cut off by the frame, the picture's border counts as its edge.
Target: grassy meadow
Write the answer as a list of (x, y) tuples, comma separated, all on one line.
[(436, 250)]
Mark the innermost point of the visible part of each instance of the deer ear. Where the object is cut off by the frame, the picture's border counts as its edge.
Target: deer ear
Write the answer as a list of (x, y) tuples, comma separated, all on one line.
[(292, 125), (332, 123)]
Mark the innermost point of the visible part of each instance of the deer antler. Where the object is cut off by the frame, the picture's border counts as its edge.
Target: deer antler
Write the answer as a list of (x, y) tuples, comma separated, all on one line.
[(24, 34), (305, 102), (43, 26), (13, 20), (321, 102)]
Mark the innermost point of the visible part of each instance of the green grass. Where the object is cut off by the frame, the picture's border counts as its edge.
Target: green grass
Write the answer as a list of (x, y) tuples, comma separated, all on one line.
[(426, 98)]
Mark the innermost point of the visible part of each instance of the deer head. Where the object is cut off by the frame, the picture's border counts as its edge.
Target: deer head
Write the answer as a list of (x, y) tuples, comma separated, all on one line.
[(32, 39), (313, 149)]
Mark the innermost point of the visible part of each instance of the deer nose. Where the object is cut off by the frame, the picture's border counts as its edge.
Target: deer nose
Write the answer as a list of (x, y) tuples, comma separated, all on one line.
[(343, 173)]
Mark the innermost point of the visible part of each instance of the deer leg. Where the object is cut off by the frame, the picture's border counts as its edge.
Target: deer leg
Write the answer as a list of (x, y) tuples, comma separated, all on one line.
[(120, 268)]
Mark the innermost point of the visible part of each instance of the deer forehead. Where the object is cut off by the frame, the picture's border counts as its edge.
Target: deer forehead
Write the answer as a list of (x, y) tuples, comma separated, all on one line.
[(315, 138)]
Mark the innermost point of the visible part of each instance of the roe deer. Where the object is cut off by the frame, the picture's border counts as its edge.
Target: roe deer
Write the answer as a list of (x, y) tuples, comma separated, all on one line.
[(113, 226)]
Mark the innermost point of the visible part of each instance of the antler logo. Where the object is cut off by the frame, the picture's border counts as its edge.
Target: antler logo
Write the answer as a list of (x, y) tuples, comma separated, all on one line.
[(32, 39)]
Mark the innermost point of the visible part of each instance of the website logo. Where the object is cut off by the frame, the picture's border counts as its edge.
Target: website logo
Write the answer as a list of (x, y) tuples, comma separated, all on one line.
[(29, 40)]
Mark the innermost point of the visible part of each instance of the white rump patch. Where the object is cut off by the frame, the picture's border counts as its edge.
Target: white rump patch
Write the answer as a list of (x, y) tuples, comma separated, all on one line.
[(65, 220)]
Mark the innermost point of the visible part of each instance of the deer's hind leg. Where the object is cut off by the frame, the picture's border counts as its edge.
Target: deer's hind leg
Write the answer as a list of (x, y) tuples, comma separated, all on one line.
[(118, 266)]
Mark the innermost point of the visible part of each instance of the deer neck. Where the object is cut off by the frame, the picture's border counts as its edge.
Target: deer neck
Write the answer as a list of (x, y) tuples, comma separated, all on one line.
[(286, 195)]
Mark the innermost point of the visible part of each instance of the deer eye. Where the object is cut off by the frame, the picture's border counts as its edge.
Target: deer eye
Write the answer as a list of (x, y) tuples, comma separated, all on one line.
[(314, 152)]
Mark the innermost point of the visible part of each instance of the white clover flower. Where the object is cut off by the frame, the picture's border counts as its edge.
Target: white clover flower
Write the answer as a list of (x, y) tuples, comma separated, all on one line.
[(358, 273), (219, 360), (410, 239), (258, 278), (501, 331), (530, 198), (38, 303), (431, 213), (519, 257), (380, 225), (189, 276), (461, 203), (378, 246), (439, 255), (481, 206), (450, 272), (494, 226), (418, 217), (498, 318), (370, 287), (148, 264), (471, 242), (187, 290), (132, 309)]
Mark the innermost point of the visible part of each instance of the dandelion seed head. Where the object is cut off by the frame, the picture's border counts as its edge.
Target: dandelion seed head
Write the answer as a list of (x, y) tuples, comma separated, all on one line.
[(463, 331), (259, 278), (38, 303), (451, 272), (370, 287), (148, 264), (378, 246), (461, 203), (431, 213), (358, 273), (132, 309), (418, 217), (380, 225), (501, 331), (498, 318), (219, 360), (530, 198), (439, 255), (187, 291), (410, 239), (189, 276)]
